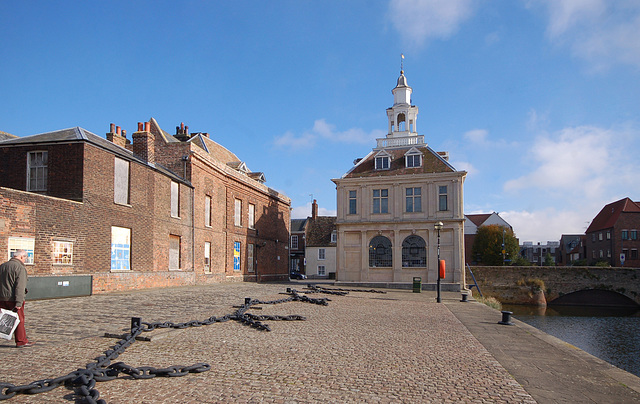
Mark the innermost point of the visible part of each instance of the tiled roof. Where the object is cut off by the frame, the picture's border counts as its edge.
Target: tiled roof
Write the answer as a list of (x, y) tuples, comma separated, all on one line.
[(609, 215), (479, 218), (432, 162), (319, 231)]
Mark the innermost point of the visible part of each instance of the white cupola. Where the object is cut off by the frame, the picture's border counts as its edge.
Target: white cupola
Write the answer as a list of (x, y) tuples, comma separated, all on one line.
[(402, 116)]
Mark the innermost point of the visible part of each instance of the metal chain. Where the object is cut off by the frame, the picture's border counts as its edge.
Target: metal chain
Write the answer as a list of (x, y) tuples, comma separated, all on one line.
[(84, 380)]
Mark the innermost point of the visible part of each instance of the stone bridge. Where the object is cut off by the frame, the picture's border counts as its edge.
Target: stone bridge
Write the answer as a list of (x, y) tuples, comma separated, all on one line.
[(558, 285)]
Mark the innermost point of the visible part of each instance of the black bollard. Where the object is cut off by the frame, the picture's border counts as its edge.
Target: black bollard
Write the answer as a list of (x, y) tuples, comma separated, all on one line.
[(247, 301), (506, 318), (464, 298)]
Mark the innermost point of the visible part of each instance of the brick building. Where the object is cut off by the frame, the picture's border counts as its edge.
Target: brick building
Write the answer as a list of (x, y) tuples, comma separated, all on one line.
[(321, 241), (157, 210), (613, 234)]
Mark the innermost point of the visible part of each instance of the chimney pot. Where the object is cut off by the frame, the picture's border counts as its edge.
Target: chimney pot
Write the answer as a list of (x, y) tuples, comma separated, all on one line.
[(112, 128), (117, 130), (140, 126), (124, 133), (147, 126), (314, 209)]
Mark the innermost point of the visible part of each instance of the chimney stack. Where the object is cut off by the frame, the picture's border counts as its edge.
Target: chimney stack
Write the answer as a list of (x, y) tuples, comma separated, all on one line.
[(143, 143), (116, 136), (314, 210)]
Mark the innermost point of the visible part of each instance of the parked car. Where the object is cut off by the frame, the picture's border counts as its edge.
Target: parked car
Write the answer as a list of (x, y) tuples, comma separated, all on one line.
[(297, 275)]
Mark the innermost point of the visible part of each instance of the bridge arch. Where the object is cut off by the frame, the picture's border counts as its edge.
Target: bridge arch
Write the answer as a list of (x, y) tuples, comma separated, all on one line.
[(594, 297)]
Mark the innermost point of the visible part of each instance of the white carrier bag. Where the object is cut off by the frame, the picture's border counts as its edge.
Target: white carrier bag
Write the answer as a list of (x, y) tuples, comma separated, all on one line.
[(8, 323)]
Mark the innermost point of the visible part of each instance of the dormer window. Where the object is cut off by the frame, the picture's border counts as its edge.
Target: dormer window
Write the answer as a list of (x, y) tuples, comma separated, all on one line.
[(382, 163), (382, 160), (413, 158)]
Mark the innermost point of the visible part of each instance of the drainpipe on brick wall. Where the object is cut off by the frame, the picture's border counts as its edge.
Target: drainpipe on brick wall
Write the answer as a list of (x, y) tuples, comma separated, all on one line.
[(193, 237)]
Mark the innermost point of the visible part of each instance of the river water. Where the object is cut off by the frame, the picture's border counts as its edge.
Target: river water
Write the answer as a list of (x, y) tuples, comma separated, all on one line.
[(611, 334)]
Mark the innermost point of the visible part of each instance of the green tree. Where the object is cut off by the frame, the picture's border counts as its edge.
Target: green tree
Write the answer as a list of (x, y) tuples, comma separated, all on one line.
[(548, 261), (487, 247)]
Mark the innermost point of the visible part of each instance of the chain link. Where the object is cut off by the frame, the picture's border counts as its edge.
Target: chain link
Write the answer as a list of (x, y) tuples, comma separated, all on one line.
[(84, 380)]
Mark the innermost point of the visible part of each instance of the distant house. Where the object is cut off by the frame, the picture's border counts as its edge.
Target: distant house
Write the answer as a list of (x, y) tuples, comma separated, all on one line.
[(321, 242), (536, 253), (471, 224), (613, 234), (573, 247), (5, 136), (297, 245)]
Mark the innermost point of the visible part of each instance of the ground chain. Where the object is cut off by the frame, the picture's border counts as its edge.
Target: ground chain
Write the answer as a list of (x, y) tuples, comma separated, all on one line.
[(83, 381)]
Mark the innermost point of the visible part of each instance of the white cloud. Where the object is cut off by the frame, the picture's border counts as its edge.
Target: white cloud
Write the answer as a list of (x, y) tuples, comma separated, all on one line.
[(322, 130), (577, 160), (578, 170), (478, 136), (419, 20), (602, 32), (546, 224), (304, 211), (465, 166)]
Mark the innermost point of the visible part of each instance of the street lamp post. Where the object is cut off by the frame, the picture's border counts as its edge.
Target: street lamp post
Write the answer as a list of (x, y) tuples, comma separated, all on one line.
[(438, 226)]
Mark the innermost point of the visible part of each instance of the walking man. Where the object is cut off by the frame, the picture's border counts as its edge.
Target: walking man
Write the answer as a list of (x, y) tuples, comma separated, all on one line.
[(13, 288)]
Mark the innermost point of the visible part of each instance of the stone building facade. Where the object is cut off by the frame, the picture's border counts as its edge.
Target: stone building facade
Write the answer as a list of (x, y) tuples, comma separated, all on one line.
[(157, 210), (389, 202)]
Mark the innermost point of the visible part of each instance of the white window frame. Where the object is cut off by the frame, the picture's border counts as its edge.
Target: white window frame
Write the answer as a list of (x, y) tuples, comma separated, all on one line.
[(382, 162), (175, 199), (442, 195), (121, 184), (380, 198), (353, 201), (410, 160), (334, 237), (413, 197), (40, 171), (237, 212), (120, 248), (62, 252), (207, 211), (207, 256), (294, 242), (22, 243), (322, 254), (252, 216)]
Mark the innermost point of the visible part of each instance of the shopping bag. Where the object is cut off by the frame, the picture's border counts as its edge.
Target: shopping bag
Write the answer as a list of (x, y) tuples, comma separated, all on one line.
[(8, 323)]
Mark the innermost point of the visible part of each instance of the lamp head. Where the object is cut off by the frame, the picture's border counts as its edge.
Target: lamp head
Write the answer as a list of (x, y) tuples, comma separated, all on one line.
[(438, 226)]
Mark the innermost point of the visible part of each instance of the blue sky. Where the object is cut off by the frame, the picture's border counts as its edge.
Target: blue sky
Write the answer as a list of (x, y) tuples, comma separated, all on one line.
[(539, 100)]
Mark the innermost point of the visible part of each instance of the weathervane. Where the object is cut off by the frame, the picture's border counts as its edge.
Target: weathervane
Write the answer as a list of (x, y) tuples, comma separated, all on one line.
[(401, 63)]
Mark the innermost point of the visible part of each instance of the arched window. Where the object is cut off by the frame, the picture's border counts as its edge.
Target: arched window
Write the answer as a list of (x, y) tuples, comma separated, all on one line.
[(380, 254), (401, 122), (414, 253)]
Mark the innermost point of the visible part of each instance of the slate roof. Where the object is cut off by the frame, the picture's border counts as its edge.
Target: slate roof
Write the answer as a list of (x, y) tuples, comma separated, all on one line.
[(297, 225), (609, 215), (319, 231), (432, 162), (5, 136), (78, 134)]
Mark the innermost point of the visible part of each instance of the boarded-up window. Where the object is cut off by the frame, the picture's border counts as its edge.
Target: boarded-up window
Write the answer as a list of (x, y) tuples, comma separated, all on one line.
[(121, 181), (207, 256), (207, 210), (175, 199), (250, 257), (174, 252)]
